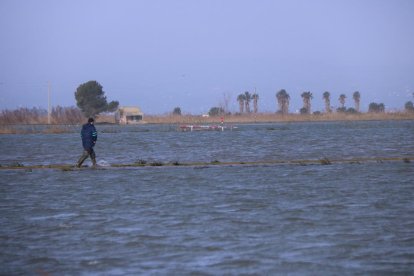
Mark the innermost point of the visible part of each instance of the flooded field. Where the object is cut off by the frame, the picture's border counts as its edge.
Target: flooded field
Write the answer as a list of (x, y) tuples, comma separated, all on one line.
[(342, 218)]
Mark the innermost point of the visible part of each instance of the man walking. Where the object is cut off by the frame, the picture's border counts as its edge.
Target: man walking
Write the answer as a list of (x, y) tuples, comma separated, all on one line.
[(89, 137)]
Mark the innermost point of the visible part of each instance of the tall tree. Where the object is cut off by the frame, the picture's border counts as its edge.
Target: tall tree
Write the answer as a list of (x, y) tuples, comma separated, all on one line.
[(255, 98), (283, 101), (247, 99), (327, 98), (240, 99), (177, 111), (409, 106), (342, 98), (376, 108), (216, 111), (357, 98), (307, 97), (91, 100)]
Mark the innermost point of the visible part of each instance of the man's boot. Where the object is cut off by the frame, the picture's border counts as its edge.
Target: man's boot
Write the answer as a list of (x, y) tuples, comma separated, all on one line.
[(93, 157), (82, 158)]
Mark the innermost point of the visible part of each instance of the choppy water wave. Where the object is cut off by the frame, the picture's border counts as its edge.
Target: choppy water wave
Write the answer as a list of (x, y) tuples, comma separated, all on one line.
[(336, 219), (282, 141)]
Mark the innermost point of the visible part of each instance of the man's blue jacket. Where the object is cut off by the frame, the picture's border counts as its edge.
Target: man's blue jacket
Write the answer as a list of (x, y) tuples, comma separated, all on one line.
[(89, 136)]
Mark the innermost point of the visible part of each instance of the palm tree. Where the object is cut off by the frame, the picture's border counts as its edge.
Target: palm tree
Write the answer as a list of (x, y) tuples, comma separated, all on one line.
[(327, 98), (307, 97), (240, 99), (357, 97), (342, 98), (409, 106), (255, 98), (247, 99), (283, 101)]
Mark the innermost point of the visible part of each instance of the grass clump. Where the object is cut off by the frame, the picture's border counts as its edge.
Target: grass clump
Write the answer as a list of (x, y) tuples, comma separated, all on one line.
[(325, 161), (16, 165), (141, 162)]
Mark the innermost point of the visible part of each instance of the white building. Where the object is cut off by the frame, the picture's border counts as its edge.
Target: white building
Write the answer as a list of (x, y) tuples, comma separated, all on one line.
[(128, 115)]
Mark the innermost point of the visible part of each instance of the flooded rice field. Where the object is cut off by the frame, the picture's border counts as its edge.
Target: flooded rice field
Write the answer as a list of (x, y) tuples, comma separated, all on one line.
[(340, 218)]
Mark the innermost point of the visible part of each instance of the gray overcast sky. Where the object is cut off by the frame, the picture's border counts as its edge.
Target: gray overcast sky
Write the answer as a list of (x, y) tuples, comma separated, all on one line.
[(193, 53)]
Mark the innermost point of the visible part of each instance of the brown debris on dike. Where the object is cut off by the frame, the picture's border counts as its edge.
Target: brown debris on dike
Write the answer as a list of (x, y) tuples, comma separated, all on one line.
[(141, 164)]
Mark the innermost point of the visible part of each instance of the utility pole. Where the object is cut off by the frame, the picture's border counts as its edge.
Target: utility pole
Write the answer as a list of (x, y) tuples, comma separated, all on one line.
[(48, 102)]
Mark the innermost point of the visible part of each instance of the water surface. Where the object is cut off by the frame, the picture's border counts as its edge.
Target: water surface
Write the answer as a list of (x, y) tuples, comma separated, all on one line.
[(264, 219)]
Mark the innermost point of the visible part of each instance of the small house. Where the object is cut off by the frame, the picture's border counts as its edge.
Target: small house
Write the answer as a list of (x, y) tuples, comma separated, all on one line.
[(128, 115)]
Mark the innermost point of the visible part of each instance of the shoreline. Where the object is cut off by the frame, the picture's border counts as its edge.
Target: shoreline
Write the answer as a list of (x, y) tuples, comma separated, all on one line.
[(275, 118), (260, 118)]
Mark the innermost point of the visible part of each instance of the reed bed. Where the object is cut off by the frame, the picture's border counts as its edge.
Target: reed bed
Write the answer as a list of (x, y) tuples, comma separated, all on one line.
[(37, 129), (272, 117), (193, 120)]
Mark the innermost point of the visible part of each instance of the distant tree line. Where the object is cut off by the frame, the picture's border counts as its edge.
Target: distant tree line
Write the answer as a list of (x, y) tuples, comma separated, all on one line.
[(283, 100), (91, 101)]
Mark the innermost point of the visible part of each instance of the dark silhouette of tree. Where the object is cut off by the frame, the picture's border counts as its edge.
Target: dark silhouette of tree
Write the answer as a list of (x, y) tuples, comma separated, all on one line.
[(240, 99), (409, 106), (247, 99), (307, 97), (341, 109), (283, 101), (342, 98), (357, 98), (351, 110), (376, 108), (177, 111), (255, 98), (91, 100), (303, 110), (327, 98), (216, 111)]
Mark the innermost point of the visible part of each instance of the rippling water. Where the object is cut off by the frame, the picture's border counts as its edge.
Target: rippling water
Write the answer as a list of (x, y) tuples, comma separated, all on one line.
[(267, 219)]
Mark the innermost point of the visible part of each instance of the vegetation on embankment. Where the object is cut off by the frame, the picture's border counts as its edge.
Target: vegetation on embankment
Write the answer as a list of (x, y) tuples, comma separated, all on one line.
[(142, 163), (39, 124), (274, 117)]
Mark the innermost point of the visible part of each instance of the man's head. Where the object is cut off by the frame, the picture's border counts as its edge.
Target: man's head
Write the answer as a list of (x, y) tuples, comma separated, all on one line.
[(91, 120)]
